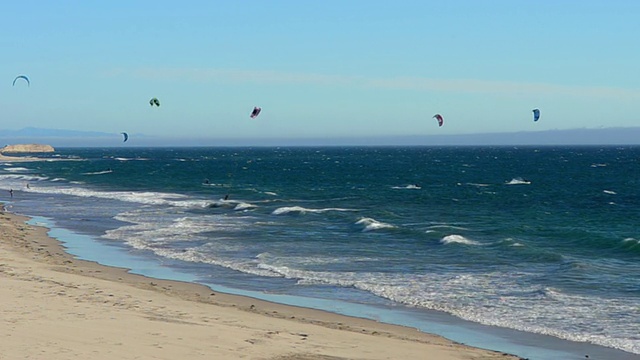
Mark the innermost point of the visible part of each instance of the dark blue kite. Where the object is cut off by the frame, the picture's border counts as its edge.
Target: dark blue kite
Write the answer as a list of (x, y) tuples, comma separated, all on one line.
[(536, 114), (24, 77)]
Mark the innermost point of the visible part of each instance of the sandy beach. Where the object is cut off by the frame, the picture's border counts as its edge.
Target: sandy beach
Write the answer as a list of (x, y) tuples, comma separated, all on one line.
[(57, 307)]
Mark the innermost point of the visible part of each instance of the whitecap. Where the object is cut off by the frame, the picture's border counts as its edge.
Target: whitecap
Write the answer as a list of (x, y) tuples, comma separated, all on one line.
[(372, 224), (98, 172), (610, 192), (244, 206), (130, 159), (302, 210), (149, 198), (447, 226), (458, 239), (478, 184), (407, 187), (518, 181), (19, 177), (16, 169)]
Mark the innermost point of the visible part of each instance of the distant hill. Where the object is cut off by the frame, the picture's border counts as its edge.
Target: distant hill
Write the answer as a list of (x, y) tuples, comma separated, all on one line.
[(45, 133), (604, 136), (61, 137), (74, 138), (27, 148)]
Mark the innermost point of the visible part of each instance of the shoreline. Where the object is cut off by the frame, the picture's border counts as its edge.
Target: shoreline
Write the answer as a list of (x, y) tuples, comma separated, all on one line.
[(255, 328)]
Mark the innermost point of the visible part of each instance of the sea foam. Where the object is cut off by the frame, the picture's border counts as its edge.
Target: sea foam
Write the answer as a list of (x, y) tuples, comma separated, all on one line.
[(458, 239), (372, 224)]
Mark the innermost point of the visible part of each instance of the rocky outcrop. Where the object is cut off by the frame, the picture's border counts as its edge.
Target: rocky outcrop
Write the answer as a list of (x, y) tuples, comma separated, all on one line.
[(27, 148)]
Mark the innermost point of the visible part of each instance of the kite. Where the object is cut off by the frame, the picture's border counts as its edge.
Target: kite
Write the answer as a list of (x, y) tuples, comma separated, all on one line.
[(536, 114), (22, 77), (255, 112), (126, 136), (154, 101), (439, 118)]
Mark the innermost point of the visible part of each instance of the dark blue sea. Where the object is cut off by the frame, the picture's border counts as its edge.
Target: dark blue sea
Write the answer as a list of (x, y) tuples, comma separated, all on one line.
[(534, 240)]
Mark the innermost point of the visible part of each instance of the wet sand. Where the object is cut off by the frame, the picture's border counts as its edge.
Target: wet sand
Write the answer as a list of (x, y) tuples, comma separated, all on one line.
[(57, 307)]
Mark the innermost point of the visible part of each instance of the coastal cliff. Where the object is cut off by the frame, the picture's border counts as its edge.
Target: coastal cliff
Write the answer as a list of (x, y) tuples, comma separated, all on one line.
[(27, 148)]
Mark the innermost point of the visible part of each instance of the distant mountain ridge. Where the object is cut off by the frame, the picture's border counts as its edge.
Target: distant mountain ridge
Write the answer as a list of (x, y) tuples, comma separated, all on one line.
[(76, 138), (40, 132)]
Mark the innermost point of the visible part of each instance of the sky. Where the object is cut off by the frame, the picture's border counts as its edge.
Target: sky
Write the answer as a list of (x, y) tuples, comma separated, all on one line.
[(319, 69)]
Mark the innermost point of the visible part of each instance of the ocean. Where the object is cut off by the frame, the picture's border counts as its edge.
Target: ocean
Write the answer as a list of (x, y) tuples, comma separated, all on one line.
[(538, 240)]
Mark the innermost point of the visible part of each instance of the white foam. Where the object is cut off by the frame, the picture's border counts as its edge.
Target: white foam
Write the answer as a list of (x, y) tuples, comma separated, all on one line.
[(447, 226), (149, 198), (500, 299), (407, 187), (21, 177), (244, 206), (372, 224), (148, 232), (478, 185), (458, 239), (610, 192), (518, 181), (16, 169), (492, 298), (129, 159), (302, 210), (98, 172), (15, 181)]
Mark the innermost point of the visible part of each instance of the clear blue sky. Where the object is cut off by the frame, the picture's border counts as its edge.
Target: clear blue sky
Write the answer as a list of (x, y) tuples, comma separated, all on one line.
[(320, 68)]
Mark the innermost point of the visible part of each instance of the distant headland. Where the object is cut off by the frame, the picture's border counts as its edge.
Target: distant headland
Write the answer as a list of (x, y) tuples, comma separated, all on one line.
[(27, 148)]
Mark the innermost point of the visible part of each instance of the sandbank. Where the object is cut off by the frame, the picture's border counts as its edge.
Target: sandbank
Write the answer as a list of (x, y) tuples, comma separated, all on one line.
[(55, 306)]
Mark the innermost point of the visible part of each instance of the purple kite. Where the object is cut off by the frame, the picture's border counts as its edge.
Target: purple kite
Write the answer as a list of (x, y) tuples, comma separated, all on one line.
[(255, 112), (439, 118)]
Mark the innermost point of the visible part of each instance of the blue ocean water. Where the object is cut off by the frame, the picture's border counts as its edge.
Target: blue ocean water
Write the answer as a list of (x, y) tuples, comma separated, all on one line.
[(544, 240)]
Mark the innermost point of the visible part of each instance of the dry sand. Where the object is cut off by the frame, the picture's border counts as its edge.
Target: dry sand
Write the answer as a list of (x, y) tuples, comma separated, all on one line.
[(53, 306)]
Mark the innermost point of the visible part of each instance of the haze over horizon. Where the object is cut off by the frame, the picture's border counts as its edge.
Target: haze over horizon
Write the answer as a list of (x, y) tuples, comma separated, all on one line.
[(332, 71), (60, 138)]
